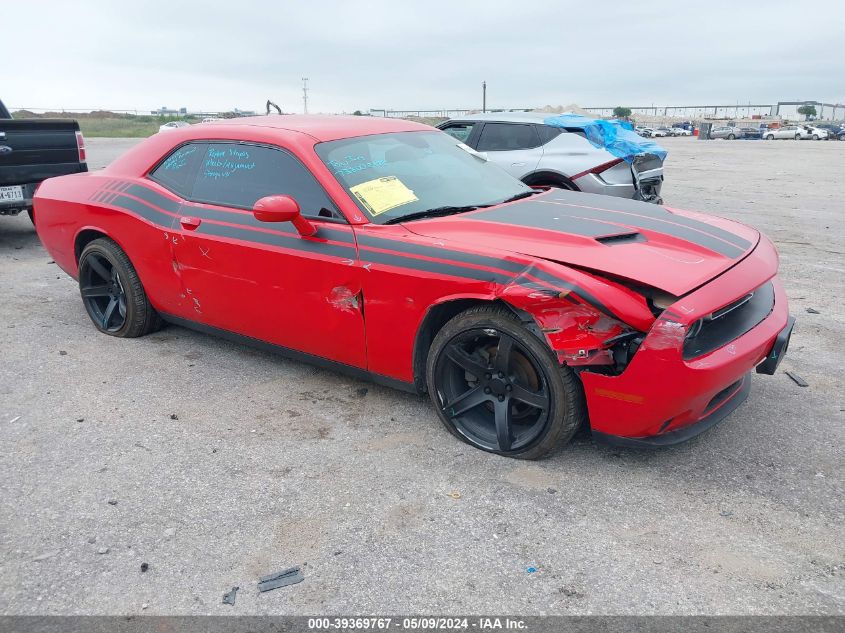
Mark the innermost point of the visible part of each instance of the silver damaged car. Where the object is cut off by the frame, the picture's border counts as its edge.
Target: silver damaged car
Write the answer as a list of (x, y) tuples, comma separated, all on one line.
[(539, 154)]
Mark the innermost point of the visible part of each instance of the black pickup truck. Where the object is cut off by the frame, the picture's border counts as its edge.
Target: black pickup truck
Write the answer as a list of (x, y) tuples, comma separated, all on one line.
[(32, 150)]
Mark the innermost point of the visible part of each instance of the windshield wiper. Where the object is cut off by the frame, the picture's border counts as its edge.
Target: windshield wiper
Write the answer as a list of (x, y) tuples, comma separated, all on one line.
[(435, 213), (519, 196)]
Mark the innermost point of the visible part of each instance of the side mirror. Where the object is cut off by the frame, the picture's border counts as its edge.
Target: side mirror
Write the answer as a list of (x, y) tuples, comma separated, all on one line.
[(282, 209)]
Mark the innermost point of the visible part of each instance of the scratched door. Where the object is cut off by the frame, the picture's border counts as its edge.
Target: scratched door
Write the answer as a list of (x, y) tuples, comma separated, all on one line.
[(264, 280)]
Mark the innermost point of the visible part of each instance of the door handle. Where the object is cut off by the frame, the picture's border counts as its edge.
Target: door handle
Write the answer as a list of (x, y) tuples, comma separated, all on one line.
[(189, 223)]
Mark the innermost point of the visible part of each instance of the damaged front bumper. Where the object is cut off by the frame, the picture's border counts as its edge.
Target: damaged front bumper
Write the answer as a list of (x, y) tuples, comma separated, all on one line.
[(664, 396)]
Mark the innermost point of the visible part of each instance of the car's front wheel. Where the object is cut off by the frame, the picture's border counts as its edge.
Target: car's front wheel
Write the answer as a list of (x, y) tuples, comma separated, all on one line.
[(731, 137), (112, 292), (815, 137), (770, 137), (499, 388)]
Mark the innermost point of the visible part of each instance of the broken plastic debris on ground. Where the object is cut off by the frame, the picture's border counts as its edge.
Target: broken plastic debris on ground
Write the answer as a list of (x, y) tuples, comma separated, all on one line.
[(282, 578)]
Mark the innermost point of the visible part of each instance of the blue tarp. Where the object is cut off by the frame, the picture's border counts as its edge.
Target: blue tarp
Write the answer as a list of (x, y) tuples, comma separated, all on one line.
[(617, 137)]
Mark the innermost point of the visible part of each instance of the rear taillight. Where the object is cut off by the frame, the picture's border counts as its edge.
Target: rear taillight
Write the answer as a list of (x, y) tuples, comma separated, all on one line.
[(599, 168), (80, 146)]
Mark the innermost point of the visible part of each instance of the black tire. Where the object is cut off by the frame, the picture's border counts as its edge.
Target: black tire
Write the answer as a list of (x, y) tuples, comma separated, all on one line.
[(467, 367), (550, 180), (112, 292), (731, 137), (770, 137)]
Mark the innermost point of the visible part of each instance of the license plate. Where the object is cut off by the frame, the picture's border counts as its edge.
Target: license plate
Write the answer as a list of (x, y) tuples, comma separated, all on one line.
[(11, 194)]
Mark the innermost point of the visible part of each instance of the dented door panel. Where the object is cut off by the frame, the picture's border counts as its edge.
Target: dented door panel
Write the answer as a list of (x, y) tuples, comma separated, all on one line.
[(265, 281)]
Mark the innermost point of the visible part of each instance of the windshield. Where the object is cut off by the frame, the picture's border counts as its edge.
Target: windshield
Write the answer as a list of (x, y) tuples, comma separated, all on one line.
[(391, 176)]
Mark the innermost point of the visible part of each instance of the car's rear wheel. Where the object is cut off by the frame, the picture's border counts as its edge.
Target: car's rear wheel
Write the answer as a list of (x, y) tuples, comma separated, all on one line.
[(499, 388), (770, 137), (731, 137), (112, 292), (815, 137)]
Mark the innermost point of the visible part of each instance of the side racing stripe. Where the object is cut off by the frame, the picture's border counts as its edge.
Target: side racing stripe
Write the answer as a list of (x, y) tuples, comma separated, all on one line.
[(161, 211)]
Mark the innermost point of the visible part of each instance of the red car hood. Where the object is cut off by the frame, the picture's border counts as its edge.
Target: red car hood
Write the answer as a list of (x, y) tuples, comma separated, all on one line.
[(674, 251)]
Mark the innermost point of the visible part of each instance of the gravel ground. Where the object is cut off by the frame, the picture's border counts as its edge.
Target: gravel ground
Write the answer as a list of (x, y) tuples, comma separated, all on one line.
[(215, 464)]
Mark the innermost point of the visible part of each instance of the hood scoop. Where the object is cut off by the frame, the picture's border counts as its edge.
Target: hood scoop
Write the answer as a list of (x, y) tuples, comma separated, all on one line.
[(622, 238)]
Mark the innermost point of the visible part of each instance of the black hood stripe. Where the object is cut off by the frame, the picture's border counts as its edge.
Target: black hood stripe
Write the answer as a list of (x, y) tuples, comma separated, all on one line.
[(688, 234), (628, 208), (560, 217)]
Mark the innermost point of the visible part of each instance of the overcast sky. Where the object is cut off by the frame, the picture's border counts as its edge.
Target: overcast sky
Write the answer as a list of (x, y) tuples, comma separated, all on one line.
[(418, 55)]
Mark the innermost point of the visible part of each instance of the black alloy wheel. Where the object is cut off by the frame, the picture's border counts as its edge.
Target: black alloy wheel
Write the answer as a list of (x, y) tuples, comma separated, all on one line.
[(112, 292), (499, 388), (102, 293)]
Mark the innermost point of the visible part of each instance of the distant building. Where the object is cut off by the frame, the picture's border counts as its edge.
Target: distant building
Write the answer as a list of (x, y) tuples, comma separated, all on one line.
[(165, 111)]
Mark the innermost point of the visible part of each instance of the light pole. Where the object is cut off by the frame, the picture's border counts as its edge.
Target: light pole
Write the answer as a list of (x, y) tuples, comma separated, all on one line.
[(484, 96), (305, 94)]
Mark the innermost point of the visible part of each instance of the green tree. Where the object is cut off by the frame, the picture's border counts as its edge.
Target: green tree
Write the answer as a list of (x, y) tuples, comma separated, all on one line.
[(358, 113), (621, 113), (807, 111)]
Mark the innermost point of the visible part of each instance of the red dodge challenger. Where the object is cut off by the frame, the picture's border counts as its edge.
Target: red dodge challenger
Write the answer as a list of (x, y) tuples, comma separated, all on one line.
[(392, 251)]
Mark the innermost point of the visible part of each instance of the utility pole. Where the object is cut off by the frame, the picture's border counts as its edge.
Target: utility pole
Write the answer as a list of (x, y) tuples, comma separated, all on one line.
[(484, 96), (305, 94)]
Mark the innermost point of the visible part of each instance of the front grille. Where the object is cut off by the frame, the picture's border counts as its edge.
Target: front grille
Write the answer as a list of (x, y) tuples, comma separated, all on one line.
[(729, 322)]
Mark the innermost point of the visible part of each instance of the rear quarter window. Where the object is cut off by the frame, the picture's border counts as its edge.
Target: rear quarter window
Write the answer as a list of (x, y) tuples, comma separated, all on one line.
[(178, 170)]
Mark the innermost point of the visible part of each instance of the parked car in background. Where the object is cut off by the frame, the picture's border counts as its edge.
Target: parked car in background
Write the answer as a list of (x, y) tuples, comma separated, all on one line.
[(835, 131), (659, 131), (645, 132), (681, 131), (414, 262), (211, 119), (32, 150), (173, 125), (726, 131), (783, 132), (814, 133), (751, 132), (543, 155)]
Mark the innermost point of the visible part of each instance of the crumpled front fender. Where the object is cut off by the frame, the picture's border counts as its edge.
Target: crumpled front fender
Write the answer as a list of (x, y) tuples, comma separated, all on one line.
[(577, 313)]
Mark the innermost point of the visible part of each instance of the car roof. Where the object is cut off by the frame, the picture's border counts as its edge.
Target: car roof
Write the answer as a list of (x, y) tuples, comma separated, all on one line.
[(323, 127), (506, 117)]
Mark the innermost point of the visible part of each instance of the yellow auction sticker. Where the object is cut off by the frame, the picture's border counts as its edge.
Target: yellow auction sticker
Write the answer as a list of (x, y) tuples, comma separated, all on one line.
[(383, 194)]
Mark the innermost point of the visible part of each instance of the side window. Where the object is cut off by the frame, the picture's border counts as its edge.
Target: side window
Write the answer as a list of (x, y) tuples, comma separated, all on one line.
[(548, 132), (502, 137), (238, 175), (460, 131), (178, 170)]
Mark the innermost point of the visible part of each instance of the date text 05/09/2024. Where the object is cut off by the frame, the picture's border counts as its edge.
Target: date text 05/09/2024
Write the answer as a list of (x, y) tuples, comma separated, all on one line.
[(416, 623)]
